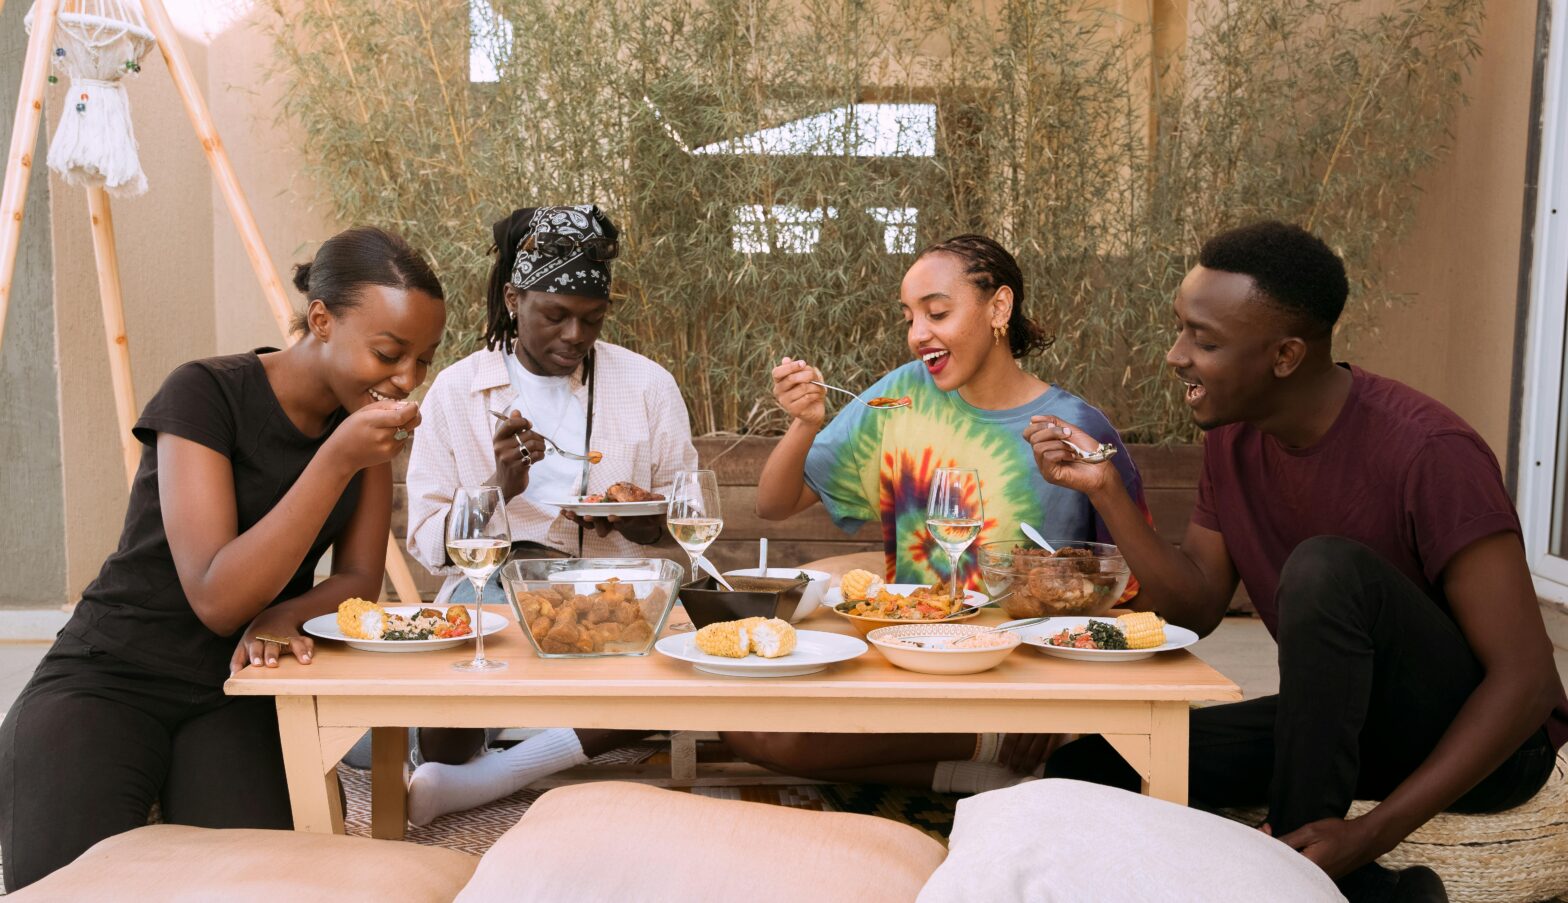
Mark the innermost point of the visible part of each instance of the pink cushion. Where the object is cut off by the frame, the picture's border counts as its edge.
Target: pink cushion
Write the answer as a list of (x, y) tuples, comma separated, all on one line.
[(618, 841), (180, 864)]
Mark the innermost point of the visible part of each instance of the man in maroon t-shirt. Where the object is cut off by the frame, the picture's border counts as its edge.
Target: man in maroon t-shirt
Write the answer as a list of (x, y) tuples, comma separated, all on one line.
[(1373, 532)]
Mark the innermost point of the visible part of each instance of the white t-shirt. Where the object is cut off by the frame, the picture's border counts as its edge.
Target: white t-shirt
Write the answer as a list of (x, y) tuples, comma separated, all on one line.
[(549, 405)]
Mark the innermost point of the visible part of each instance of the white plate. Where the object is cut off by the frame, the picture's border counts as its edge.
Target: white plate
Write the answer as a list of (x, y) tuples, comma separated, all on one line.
[(326, 627), (1175, 638), (619, 509), (834, 597), (814, 650)]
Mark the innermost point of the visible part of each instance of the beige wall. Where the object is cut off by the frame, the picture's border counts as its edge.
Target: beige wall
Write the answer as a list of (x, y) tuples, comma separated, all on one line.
[(1455, 338)]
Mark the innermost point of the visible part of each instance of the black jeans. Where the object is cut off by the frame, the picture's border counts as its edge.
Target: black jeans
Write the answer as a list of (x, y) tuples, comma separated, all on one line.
[(92, 742), (1372, 673)]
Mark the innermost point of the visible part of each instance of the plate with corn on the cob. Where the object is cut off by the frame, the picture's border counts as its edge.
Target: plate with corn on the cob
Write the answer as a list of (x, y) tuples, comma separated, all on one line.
[(1134, 635)]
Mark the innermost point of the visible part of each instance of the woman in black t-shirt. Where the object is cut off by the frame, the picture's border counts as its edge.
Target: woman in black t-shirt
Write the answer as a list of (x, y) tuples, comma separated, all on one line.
[(253, 466)]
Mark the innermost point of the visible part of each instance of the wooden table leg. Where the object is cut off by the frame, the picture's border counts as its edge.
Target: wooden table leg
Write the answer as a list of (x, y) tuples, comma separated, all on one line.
[(1168, 752), (388, 782), (312, 793)]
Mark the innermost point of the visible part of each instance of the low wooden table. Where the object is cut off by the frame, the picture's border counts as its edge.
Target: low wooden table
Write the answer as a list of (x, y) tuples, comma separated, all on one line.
[(324, 708)]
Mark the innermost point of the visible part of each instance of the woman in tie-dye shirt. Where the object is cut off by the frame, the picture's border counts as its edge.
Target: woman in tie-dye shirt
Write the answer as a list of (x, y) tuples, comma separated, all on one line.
[(971, 403)]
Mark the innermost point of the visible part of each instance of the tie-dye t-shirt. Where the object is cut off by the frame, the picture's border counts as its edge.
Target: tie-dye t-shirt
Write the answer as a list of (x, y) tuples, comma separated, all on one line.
[(870, 465)]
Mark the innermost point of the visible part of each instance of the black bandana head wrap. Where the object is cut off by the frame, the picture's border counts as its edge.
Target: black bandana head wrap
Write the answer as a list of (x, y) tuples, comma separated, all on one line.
[(550, 256)]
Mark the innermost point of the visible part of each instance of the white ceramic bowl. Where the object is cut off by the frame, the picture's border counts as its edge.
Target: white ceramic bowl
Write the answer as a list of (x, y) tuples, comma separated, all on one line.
[(886, 640), (809, 600)]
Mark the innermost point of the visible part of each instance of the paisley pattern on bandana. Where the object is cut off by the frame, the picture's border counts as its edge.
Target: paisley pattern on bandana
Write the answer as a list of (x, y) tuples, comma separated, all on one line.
[(870, 465), (572, 274)]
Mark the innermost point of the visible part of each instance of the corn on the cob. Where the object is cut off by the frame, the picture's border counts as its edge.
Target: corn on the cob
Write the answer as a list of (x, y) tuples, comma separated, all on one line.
[(1144, 629), (729, 639), (773, 638), (857, 585), (360, 619)]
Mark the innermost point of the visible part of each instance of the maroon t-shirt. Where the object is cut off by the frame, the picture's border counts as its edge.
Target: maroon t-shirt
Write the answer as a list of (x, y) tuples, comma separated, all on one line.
[(1397, 472)]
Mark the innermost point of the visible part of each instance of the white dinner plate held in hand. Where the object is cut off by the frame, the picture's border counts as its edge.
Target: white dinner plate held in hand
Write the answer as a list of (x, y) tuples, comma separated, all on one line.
[(325, 627), (1036, 635), (619, 509), (814, 651)]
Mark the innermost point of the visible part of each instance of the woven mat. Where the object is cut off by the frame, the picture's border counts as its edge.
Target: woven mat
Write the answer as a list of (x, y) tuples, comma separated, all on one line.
[(476, 830)]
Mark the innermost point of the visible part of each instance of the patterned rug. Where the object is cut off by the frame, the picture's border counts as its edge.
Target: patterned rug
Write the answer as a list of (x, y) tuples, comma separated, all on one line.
[(476, 830)]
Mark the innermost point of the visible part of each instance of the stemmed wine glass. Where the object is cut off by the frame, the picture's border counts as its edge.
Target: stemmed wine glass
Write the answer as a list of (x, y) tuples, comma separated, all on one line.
[(954, 515), (695, 519), (477, 539)]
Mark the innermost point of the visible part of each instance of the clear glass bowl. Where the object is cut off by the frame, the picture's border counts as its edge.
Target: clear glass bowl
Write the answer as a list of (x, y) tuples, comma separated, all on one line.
[(591, 607), (1027, 582)]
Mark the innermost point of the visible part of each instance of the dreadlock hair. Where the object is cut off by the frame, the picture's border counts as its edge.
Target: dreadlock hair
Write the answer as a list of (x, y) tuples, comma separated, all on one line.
[(1293, 269), (990, 266), (354, 258)]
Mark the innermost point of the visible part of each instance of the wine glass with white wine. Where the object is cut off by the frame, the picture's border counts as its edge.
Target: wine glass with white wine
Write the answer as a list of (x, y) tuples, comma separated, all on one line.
[(954, 515), (477, 540), (695, 519)]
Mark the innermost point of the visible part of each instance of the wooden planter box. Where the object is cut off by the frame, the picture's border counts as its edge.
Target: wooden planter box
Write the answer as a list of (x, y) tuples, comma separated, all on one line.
[(1170, 479)]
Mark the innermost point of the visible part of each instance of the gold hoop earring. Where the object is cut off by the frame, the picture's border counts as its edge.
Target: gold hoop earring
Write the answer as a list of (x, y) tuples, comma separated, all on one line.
[(998, 333)]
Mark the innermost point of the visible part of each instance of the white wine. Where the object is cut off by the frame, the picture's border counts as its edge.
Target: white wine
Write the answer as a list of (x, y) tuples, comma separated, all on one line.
[(477, 555), (953, 532), (695, 533)]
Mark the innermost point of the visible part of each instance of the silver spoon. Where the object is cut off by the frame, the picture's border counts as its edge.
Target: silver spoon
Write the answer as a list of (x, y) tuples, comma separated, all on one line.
[(1105, 451), (551, 448), (894, 403), (1034, 535), (942, 641), (714, 573)]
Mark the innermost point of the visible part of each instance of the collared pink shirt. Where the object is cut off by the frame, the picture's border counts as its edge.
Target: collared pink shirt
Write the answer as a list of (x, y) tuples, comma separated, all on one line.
[(640, 425)]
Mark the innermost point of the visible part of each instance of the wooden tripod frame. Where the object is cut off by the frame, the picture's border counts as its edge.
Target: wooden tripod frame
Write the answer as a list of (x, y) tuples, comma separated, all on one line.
[(13, 198)]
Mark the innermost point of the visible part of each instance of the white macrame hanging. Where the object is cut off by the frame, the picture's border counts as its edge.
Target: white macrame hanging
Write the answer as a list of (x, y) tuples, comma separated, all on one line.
[(97, 43)]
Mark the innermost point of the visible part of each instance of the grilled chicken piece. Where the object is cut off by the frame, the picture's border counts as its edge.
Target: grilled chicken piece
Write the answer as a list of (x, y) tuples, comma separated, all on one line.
[(630, 492)]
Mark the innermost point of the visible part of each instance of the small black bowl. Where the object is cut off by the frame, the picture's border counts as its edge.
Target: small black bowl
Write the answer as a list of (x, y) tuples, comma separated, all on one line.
[(708, 603)]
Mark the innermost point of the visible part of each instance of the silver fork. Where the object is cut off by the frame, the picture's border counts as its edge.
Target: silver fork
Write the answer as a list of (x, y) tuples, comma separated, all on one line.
[(932, 642), (900, 403), (551, 448)]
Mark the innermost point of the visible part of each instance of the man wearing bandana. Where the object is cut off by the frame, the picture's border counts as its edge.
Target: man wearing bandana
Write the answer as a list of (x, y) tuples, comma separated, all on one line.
[(544, 367)]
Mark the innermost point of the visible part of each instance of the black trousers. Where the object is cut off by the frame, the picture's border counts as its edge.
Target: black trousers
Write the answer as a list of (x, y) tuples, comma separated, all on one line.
[(1372, 673), (92, 742)]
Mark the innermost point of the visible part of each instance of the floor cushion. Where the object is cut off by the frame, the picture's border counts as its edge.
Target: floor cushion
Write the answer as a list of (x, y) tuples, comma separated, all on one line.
[(181, 864), (618, 841), (1057, 840), (1516, 856)]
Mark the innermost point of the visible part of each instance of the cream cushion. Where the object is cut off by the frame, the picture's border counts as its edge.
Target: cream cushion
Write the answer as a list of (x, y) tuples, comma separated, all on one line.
[(180, 864), (617, 841), (1058, 840)]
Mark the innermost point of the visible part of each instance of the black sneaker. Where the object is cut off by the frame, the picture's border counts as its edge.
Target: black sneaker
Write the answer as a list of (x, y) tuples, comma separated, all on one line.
[(1419, 884), (1372, 883)]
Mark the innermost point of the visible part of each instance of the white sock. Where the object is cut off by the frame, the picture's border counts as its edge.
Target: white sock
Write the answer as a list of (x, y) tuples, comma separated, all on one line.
[(972, 777), (437, 789)]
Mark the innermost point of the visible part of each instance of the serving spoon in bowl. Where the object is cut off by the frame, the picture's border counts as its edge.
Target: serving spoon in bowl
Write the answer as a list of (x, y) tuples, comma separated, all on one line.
[(878, 404)]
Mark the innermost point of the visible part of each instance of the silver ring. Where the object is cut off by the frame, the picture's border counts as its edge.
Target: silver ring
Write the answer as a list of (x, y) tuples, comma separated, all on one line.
[(400, 435), (528, 458)]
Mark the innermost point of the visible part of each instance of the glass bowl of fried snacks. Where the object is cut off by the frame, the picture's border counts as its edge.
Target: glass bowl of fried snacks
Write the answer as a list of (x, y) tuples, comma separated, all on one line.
[(591, 607)]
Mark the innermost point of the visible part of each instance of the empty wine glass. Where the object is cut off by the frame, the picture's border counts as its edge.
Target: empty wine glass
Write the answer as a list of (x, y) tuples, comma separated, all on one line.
[(954, 515), (695, 519), (477, 540)]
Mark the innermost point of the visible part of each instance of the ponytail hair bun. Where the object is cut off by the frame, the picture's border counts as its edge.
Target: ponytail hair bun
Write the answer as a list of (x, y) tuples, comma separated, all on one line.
[(302, 278)]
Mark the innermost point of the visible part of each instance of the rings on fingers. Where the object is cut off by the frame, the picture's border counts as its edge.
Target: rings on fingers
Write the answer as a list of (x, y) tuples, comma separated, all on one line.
[(522, 449), (400, 435)]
